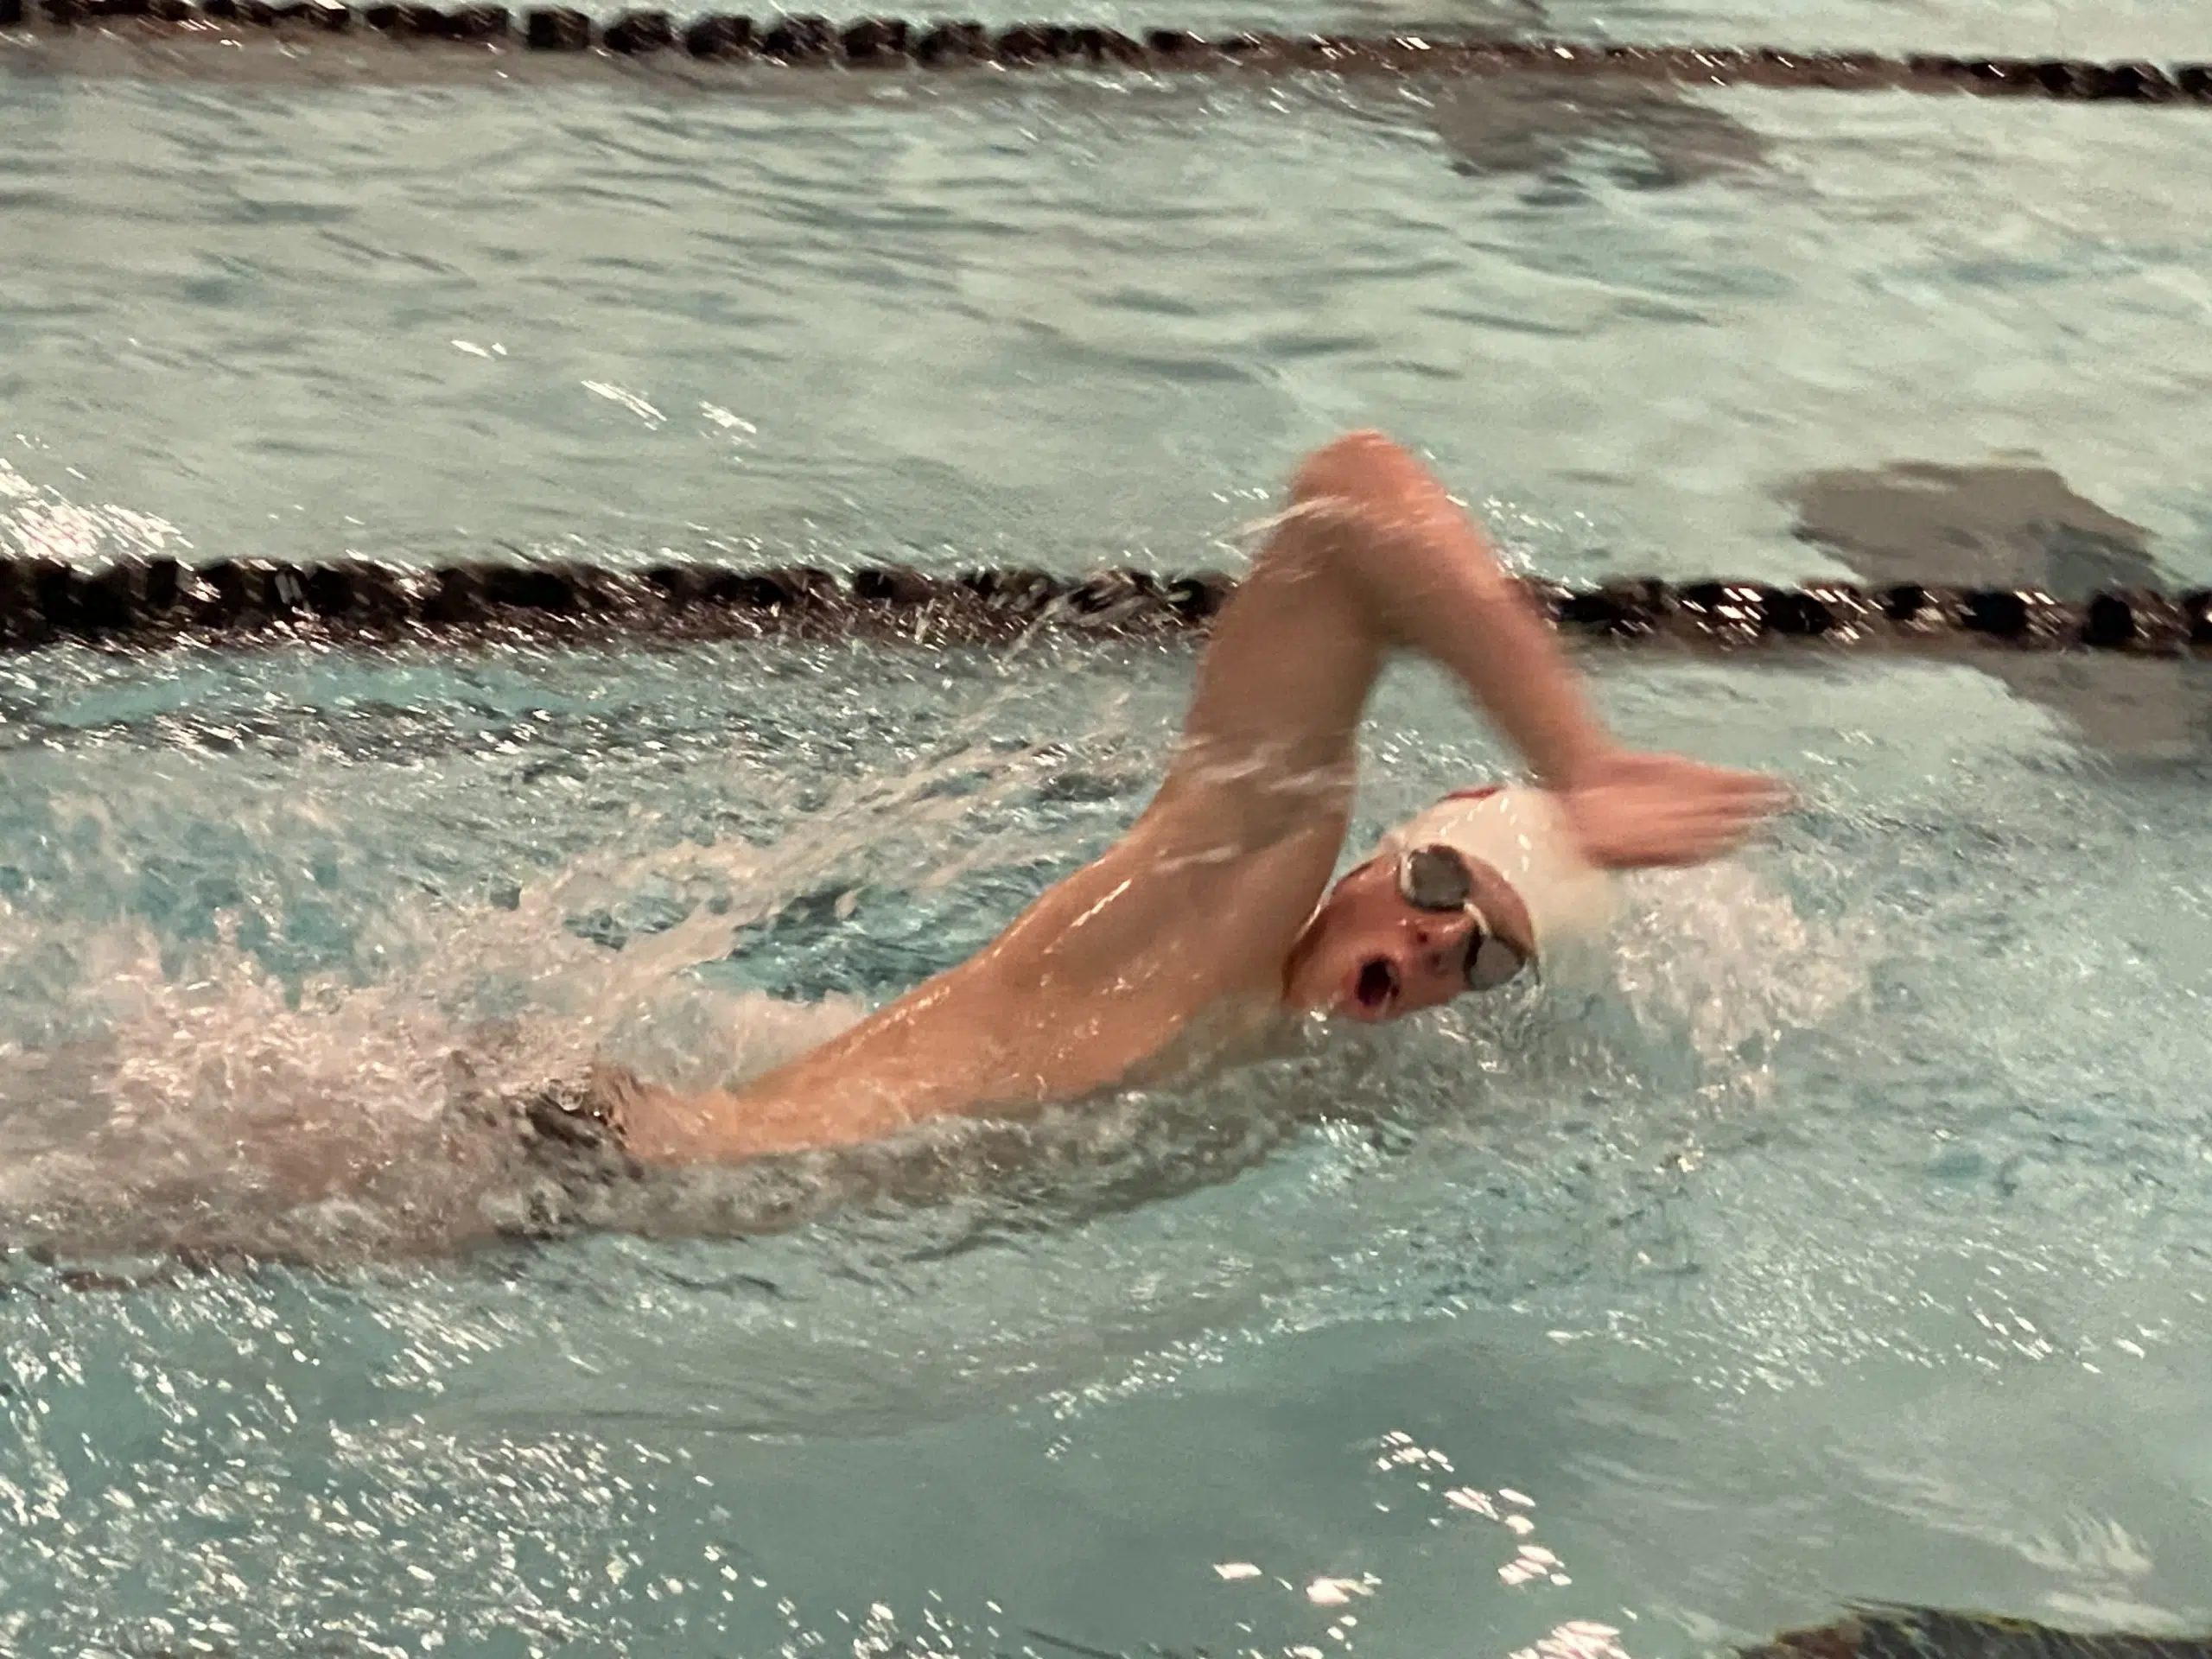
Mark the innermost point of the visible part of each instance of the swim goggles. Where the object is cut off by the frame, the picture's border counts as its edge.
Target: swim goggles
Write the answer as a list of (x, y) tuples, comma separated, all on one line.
[(1436, 879)]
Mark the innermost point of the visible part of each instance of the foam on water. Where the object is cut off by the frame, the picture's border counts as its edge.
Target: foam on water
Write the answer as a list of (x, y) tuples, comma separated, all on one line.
[(1725, 1180), (219, 1100)]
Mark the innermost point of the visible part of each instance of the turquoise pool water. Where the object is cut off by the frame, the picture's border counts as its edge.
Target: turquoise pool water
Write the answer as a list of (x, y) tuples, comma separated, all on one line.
[(1848, 1247)]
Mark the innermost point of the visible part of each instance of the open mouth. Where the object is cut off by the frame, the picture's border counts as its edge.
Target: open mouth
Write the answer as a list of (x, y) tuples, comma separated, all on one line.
[(1376, 988)]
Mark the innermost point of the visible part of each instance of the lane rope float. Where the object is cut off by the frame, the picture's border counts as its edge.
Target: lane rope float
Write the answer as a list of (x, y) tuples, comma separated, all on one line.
[(154, 604), (881, 43)]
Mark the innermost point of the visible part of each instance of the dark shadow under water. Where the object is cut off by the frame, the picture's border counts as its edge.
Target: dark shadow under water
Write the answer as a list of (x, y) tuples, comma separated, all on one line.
[(2021, 527), (1638, 135)]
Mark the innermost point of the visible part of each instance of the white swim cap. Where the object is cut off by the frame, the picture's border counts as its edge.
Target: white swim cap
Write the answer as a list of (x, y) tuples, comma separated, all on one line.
[(1524, 836)]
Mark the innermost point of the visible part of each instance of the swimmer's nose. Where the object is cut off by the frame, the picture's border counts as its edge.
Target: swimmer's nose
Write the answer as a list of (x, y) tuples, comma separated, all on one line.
[(1438, 944)]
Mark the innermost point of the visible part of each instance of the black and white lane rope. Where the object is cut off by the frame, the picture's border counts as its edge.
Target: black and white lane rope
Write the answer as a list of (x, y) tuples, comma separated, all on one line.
[(881, 44), (156, 603)]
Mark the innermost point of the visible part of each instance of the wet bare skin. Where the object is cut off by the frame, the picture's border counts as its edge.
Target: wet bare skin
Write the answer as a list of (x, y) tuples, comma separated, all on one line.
[(1180, 949), (1368, 957)]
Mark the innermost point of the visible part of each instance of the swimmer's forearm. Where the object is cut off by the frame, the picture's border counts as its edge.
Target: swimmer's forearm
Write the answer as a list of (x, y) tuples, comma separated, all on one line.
[(1477, 623), (1429, 579), (661, 1126)]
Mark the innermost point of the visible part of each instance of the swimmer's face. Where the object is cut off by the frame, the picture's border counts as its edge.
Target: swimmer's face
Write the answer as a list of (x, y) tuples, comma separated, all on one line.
[(1368, 955)]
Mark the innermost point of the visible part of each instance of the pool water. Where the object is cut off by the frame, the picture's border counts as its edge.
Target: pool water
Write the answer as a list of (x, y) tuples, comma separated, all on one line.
[(1847, 1247)]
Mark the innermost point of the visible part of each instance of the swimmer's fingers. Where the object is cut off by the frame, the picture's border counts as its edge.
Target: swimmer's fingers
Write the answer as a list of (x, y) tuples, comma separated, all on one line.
[(1694, 835), (1663, 810), (1656, 840), (1631, 836), (1681, 773)]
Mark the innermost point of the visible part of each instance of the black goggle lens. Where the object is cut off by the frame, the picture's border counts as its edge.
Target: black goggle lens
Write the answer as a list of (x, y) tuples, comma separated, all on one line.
[(1437, 879)]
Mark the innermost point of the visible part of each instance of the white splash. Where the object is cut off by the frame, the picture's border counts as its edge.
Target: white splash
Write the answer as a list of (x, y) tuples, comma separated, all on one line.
[(1718, 952), (729, 423), (222, 1106), (1337, 1592)]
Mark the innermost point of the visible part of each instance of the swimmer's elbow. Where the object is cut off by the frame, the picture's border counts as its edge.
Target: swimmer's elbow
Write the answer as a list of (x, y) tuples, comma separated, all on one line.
[(1360, 468)]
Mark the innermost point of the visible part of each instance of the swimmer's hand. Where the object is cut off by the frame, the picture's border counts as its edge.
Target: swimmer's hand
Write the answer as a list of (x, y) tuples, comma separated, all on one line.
[(1634, 812)]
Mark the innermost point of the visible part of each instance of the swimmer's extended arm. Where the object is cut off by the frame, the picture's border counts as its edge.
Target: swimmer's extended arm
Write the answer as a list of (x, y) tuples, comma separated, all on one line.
[(1372, 555)]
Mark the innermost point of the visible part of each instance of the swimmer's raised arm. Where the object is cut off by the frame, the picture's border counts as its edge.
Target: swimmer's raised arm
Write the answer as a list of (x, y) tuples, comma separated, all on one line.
[(1373, 554)]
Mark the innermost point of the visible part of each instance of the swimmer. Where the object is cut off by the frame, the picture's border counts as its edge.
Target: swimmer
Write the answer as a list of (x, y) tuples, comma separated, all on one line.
[(1211, 926)]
